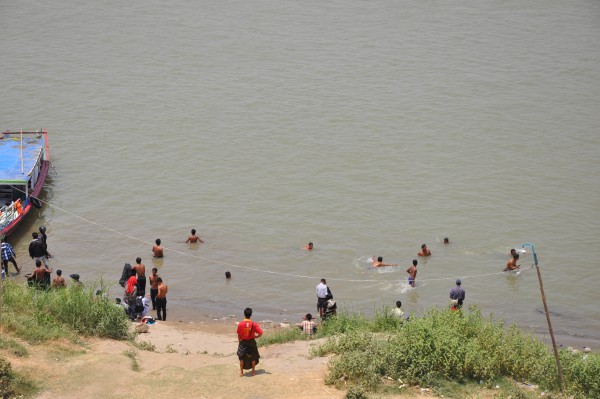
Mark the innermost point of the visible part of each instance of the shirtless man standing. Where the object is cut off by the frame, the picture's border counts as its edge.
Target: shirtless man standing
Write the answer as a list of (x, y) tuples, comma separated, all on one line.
[(424, 251), (379, 262), (157, 250), (140, 270), (161, 300), (412, 271), (194, 238), (153, 287)]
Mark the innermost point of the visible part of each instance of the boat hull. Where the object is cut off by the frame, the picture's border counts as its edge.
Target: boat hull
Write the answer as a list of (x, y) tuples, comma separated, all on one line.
[(31, 199)]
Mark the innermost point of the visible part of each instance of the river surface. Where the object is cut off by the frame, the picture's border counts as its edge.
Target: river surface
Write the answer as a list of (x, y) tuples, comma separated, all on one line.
[(368, 128)]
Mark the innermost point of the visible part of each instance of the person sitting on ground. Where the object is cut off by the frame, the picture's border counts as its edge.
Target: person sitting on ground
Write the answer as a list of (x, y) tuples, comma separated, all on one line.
[(379, 262), (308, 325), (194, 238), (512, 263), (309, 246), (424, 251), (157, 250), (398, 312), (59, 280)]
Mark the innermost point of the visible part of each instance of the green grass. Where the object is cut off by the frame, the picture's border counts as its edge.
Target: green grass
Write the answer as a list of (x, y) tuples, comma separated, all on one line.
[(132, 354), (280, 337), (448, 346), (37, 315), (12, 346), (13, 384)]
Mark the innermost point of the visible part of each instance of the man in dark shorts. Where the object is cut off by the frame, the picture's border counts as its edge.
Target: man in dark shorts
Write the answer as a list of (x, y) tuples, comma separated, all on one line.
[(412, 273), (247, 331), (153, 287), (140, 270)]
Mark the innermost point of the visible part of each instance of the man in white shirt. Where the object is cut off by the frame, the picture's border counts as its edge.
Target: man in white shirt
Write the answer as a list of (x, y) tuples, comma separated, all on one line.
[(322, 293)]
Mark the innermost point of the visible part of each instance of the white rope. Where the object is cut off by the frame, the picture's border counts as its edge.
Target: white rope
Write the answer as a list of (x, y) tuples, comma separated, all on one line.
[(252, 268)]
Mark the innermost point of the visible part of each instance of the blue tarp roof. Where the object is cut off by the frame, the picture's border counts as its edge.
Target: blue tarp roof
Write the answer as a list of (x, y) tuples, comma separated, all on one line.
[(10, 157)]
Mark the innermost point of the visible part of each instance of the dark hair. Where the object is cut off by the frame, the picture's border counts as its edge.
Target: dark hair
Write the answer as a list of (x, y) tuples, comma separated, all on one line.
[(227, 274), (154, 269), (157, 241), (446, 239), (414, 262), (58, 272), (308, 316), (398, 304), (138, 260), (323, 281), (423, 246), (38, 263), (310, 243), (98, 292), (193, 231), (159, 280), (380, 259), (516, 256), (35, 234), (118, 301), (248, 312)]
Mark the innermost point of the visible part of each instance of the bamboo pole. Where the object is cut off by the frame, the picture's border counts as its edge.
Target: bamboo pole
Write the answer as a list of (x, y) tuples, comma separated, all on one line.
[(556, 357)]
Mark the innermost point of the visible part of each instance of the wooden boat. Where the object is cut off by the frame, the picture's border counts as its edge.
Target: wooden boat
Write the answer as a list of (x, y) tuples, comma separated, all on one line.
[(24, 164)]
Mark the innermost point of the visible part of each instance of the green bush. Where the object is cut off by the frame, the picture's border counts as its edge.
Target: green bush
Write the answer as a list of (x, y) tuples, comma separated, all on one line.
[(447, 345), (38, 315)]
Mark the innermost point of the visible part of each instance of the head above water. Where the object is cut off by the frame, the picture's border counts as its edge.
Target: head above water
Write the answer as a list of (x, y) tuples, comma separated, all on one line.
[(157, 241), (446, 240), (423, 246), (310, 244), (415, 262), (248, 313), (380, 259), (193, 231), (227, 275), (398, 304), (138, 260)]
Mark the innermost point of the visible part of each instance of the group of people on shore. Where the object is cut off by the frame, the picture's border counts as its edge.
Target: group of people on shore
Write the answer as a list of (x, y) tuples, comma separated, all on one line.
[(133, 279), (40, 277)]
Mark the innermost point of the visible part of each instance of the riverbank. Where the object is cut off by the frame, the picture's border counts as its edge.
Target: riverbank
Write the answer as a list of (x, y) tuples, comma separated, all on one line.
[(180, 360)]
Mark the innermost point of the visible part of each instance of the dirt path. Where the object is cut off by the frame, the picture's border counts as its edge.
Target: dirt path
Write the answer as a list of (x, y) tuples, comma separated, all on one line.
[(189, 361)]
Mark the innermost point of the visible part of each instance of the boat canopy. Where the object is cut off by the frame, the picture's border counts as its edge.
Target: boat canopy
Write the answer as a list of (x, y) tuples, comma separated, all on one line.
[(13, 169)]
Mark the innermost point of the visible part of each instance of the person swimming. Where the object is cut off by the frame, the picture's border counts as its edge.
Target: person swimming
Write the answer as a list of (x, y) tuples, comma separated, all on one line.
[(379, 262)]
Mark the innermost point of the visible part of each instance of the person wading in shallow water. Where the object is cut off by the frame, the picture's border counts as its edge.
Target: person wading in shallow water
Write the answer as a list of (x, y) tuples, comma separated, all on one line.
[(247, 352), (412, 271)]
